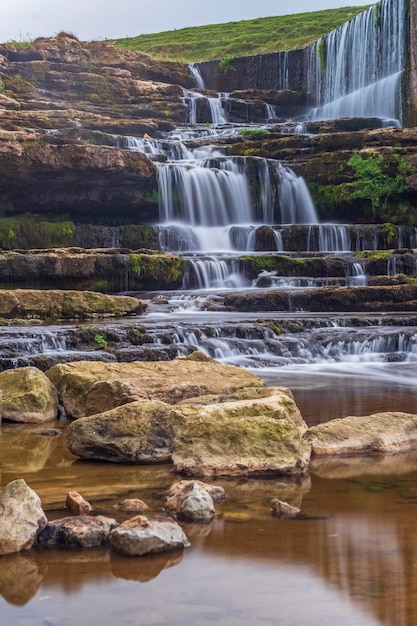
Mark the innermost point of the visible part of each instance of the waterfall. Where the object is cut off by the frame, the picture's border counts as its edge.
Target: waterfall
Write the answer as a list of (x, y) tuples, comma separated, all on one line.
[(215, 106), (356, 70), (197, 76)]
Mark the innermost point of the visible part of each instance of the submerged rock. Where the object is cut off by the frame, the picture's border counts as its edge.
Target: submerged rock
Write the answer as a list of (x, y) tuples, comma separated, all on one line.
[(144, 535), (283, 510), (132, 505), (217, 493), (88, 388), (191, 502), (77, 532), (138, 432), (21, 517), (380, 432), (247, 437), (27, 395)]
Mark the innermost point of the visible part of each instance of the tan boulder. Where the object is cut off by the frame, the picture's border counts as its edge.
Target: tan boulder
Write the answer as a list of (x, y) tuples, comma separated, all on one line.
[(283, 510), (27, 395), (148, 534), (247, 437), (132, 505), (217, 493), (138, 432), (21, 517), (88, 388), (380, 432)]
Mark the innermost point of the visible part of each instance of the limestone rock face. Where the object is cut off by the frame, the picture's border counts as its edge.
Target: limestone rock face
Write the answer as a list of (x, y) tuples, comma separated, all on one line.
[(87, 388), (138, 432), (192, 503), (247, 437), (380, 432), (27, 395), (21, 517), (144, 535), (77, 532)]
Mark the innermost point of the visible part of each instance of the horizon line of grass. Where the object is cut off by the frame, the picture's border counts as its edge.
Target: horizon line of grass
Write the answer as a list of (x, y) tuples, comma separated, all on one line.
[(243, 38)]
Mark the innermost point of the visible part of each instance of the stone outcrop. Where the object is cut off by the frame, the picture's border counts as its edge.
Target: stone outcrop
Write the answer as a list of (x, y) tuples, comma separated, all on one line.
[(332, 299), (27, 395), (217, 493), (147, 535), (87, 388), (137, 432), (21, 517), (57, 304), (377, 433), (77, 532), (132, 505), (247, 437)]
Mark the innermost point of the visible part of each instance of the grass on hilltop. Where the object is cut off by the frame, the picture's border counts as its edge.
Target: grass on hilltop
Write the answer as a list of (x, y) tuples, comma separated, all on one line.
[(259, 36)]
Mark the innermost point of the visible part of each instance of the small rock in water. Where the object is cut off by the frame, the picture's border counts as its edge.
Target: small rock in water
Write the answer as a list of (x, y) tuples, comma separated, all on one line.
[(77, 504), (217, 493), (192, 502), (77, 532), (133, 505), (283, 510), (144, 535)]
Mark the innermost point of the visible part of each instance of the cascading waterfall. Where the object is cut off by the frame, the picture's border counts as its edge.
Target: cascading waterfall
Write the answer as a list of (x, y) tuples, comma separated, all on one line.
[(356, 70)]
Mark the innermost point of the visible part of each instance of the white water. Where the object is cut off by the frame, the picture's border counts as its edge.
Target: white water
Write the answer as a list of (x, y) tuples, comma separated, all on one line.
[(364, 61)]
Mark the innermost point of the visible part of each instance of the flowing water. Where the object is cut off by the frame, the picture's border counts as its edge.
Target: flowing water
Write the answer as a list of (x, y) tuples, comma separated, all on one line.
[(351, 556)]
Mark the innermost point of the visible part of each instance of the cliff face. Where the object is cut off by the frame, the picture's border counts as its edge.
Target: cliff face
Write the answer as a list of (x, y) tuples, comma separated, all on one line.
[(62, 106)]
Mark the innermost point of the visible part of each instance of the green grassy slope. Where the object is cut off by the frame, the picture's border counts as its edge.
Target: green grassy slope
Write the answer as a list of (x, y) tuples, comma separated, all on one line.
[(217, 41)]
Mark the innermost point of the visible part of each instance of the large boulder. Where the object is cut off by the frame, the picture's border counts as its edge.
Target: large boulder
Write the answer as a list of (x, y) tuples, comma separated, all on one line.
[(27, 395), (380, 432), (246, 437), (88, 388), (21, 517), (138, 432), (77, 532), (148, 534)]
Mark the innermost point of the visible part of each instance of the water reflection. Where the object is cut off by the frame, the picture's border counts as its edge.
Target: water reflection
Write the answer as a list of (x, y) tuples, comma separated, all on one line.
[(351, 557)]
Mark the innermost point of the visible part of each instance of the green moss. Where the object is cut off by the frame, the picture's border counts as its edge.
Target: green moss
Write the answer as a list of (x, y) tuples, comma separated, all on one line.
[(226, 64), (254, 132), (322, 54), (155, 270), (374, 255)]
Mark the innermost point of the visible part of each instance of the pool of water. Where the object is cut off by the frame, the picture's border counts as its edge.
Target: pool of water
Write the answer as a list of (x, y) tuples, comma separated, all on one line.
[(350, 558)]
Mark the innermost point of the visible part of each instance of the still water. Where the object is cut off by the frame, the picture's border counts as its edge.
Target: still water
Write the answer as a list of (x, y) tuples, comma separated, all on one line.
[(351, 558)]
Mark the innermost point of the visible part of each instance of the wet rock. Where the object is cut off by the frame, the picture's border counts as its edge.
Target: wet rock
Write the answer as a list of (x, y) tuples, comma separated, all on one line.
[(380, 432), (191, 502), (145, 535), (77, 504), (247, 437), (88, 388), (21, 517), (27, 395), (77, 532), (217, 493), (138, 432), (283, 510), (132, 505)]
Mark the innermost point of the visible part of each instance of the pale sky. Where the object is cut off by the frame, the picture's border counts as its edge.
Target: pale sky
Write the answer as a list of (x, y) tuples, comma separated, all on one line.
[(104, 19)]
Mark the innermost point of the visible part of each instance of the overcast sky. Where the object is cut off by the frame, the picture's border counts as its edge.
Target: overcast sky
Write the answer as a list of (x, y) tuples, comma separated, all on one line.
[(101, 19)]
